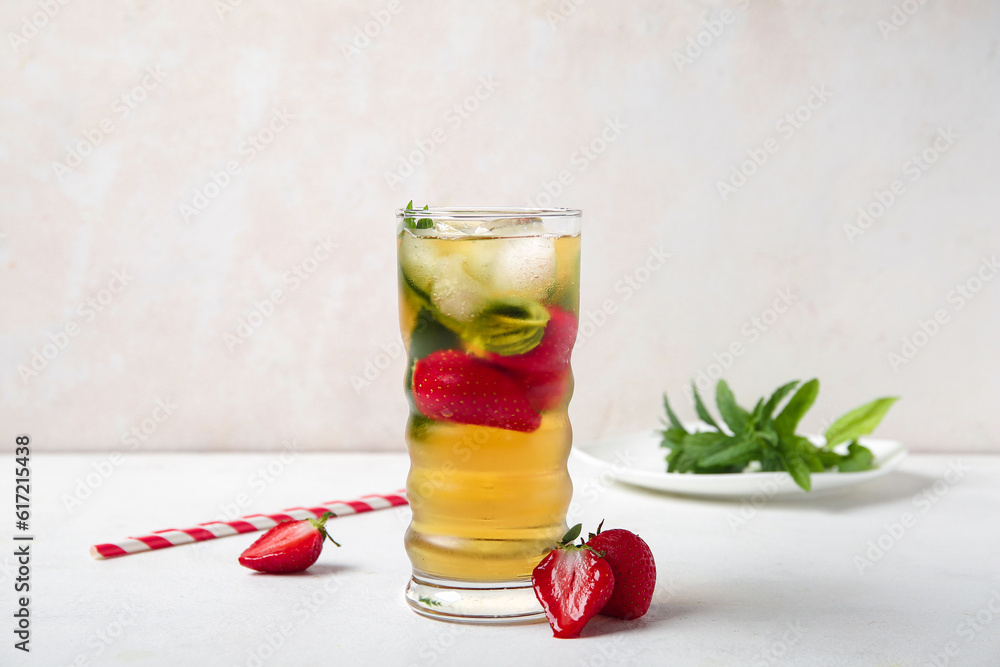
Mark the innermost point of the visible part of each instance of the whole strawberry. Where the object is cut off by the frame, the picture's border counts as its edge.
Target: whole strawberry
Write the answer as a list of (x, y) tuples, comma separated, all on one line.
[(572, 583), (453, 386), (635, 572), (291, 546)]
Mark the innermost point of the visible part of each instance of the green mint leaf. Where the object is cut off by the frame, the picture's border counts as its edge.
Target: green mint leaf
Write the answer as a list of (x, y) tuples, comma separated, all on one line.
[(571, 534), (738, 452), (788, 419), (414, 223), (767, 436), (699, 407), (771, 460), (809, 453), (775, 399), (772, 442), (674, 421), (672, 437), (693, 448), (429, 335), (858, 458), (756, 413), (687, 449), (409, 221), (828, 459), (508, 326), (734, 416), (425, 223), (705, 440), (795, 465), (858, 422), (673, 459)]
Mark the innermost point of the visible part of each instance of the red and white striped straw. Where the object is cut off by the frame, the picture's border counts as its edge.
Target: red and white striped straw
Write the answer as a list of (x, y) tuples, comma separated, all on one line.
[(172, 537)]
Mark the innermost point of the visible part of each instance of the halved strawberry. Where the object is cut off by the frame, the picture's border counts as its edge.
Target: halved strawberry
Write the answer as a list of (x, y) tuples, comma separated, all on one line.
[(291, 546), (631, 560), (453, 386), (573, 583), (545, 370)]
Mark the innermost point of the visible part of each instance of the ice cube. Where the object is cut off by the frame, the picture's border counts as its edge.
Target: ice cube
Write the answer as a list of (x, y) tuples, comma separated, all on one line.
[(454, 292), (525, 266), (443, 229), (459, 227), (515, 226), (417, 259)]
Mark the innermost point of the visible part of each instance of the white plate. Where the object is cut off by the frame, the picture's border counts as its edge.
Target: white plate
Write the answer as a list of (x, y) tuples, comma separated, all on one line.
[(638, 459)]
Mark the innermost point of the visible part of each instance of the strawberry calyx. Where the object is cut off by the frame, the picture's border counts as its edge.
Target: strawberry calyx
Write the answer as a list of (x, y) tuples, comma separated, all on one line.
[(290, 546), (599, 527), (320, 525), (571, 534), (566, 543)]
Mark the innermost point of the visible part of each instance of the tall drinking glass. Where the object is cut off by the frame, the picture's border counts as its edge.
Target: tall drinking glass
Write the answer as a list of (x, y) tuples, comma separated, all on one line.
[(488, 302)]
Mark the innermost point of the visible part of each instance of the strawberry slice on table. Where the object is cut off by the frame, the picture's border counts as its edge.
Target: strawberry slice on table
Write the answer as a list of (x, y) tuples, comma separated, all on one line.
[(631, 560), (291, 546), (453, 386), (572, 583), (545, 369)]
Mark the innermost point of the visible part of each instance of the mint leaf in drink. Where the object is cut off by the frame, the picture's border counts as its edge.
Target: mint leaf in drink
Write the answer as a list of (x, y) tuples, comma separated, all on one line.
[(858, 422), (424, 223), (429, 336), (409, 222), (771, 443), (508, 326), (415, 223)]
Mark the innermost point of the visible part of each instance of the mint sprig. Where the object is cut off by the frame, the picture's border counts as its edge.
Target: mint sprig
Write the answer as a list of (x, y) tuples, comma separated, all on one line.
[(758, 436), (417, 223)]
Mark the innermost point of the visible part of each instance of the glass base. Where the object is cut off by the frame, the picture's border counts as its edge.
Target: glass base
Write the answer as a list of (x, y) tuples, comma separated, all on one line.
[(474, 602)]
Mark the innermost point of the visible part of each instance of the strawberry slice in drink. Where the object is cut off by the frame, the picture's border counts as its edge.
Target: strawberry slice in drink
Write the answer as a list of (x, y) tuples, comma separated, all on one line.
[(453, 386), (545, 370)]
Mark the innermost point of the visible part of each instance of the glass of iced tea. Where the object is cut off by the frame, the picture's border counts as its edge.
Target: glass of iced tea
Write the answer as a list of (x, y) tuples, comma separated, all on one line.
[(488, 302)]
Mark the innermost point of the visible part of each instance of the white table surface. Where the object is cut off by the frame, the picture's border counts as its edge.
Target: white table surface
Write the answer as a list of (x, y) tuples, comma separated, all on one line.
[(782, 588)]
